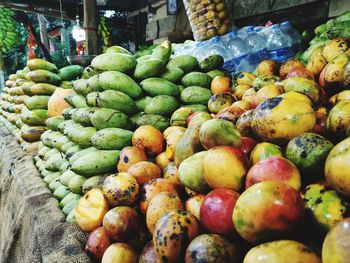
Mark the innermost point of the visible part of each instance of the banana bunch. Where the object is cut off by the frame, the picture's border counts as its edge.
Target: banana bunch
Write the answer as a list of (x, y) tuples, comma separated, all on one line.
[(103, 31), (8, 27)]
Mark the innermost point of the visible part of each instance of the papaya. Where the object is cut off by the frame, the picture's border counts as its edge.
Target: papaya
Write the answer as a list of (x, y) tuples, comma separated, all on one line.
[(43, 76), (162, 105), (93, 84), (42, 89), (33, 133), (211, 62), (195, 95), (75, 184), (37, 102), (149, 68), (34, 117), (93, 182), (142, 102), (108, 118), (114, 80), (57, 103), (38, 63), (76, 101), (67, 113), (173, 75), (117, 49), (196, 79), (116, 100), (157, 121), (71, 217), (186, 62), (96, 162), (70, 72), (190, 143), (115, 62), (82, 136), (158, 86)]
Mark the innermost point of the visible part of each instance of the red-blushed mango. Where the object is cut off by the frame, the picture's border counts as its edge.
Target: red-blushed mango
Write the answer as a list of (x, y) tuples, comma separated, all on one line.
[(97, 243), (171, 173), (193, 204), (268, 67), (225, 167), (221, 84), (264, 150), (144, 171), (119, 253), (288, 66), (216, 211), (266, 211), (274, 168), (149, 254)]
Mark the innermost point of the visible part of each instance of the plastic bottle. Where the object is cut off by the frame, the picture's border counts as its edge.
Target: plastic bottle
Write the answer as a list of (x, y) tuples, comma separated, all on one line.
[(287, 28), (199, 50), (189, 48), (242, 32), (279, 45), (258, 45), (216, 46), (238, 54)]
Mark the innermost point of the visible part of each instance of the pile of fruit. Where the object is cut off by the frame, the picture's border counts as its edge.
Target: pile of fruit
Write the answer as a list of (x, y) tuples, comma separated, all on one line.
[(8, 26), (177, 162)]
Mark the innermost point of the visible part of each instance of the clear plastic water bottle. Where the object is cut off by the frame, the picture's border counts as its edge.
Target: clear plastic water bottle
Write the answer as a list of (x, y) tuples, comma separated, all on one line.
[(242, 32), (178, 50), (287, 28), (200, 50), (266, 31), (237, 55), (216, 46), (258, 45), (189, 48), (279, 45)]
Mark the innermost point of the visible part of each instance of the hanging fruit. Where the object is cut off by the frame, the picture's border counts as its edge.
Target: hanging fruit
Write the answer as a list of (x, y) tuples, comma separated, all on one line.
[(8, 26)]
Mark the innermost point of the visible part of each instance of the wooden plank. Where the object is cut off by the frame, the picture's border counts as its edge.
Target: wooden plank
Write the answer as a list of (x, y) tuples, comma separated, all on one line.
[(90, 26)]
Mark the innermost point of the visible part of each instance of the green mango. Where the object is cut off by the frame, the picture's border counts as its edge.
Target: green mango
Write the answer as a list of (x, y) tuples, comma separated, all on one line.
[(149, 68), (81, 153), (38, 63), (34, 117), (66, 85), (50, 153), (186, 62), (79, 86), (43, 151), (211, 62), (44, 173), (67, 113), (73, 150), (162, 53), (117, 49), (64, 167), (89, 72), (82, 136), (142, 102), (96, 162), (195, 95), (50, 177), (162, 105), (173, 75), (158, 121), (48, 137), (53, 122), (69, 198), (76, 183), (93, 182), (143, 59), (158, 86), (116, 100), (114, 80), (215, 72), (67, 176), (54, 184), (93, 84), (112, 139), (61, 192), (91, 99), (303, 85), (65, 124), (54, 162), (70, 207), (37, 102), (70, 72), (71, 217), (65, 147), (115, 62), (82, 116), (27, 88), (59, 141), (197, 79), (108, 118), (76, 101), (43, 76)]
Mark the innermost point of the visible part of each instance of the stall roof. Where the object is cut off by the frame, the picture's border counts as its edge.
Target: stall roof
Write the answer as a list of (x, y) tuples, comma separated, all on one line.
[(69, 7)]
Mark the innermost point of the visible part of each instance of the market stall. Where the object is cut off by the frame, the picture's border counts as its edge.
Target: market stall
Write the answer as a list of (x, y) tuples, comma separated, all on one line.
[(121, 147)]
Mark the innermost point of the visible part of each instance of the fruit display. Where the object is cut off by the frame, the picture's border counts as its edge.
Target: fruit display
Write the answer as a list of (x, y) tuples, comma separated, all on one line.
[(168, 159), (8, 25), (208, 18)]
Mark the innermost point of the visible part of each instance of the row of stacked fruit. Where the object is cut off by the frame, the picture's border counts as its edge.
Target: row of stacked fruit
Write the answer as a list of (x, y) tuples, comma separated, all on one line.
[(241, 164)]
